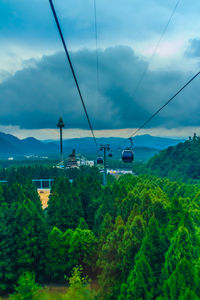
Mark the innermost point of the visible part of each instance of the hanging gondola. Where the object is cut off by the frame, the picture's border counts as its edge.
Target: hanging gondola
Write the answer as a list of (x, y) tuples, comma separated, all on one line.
[(110, 154), (127, 154), (99, 160)]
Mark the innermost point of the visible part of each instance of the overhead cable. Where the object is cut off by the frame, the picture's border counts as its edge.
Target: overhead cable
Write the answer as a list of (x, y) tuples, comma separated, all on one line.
[(155, 49), (161, 108), (72, 69), (96, 40)]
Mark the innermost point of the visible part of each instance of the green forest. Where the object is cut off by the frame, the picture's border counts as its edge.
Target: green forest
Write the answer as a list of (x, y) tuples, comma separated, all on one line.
[(181, 162), (136, 238)]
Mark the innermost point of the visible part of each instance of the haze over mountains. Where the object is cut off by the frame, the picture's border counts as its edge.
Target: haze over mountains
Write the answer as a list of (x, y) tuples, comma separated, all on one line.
[(11, 145)]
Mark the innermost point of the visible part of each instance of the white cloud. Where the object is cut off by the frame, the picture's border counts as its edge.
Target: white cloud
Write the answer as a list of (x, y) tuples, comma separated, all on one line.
[(45, 134)]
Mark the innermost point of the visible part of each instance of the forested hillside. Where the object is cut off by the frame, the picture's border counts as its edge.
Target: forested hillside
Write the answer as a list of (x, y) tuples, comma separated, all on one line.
[(181, 162), (136, 238)]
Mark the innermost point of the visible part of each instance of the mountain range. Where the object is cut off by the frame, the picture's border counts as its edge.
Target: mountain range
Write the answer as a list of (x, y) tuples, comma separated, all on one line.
[(10, 145)]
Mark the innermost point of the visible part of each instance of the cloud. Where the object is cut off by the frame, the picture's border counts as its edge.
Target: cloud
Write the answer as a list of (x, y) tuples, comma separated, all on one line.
[(193, 50), (117, 20), (36, 96), (25, 17), (28, 28)]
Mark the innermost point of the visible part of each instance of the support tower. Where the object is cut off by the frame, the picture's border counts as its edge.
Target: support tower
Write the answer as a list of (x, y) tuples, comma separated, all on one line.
[(105, 148), (61, 125)]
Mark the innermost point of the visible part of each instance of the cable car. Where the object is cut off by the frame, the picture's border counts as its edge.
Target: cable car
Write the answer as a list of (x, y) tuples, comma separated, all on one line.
[(99, 160), (110, 154), (127, 156)]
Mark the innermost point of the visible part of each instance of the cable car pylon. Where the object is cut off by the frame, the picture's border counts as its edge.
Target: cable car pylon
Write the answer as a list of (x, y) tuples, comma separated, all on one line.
[(105, 148), (61, 125)]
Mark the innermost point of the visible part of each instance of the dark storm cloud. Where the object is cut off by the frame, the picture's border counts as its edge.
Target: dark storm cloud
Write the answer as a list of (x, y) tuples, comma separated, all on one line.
[(194, 48), (36, 96)]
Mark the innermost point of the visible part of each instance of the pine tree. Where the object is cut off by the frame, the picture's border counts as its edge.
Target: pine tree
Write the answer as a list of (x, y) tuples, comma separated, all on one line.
[(89, 189), (181, 247), (64, 206), (109, 261), (182, 282), (130, 244), (82, 248), (8, 274), (154, 247), (31, 238), (26, 288), (150, 259), (106, 206), (106, 227), (141, 281), (57, 264)]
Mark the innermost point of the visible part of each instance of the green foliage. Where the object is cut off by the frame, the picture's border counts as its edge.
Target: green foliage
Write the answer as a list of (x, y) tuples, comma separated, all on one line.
[(7, 246), (137, 257), (154, 247), (26, 288), (23, 235), (57, 254), (79, 288), (140, 283), (30, 235), (106, 206), (89, 189), (82, 248), (182, 283), (106, 226), (66, 250), (110, 261), (144, 280), (82, 224), (180, 162), (139, 237), (64, 206), (70, 202)]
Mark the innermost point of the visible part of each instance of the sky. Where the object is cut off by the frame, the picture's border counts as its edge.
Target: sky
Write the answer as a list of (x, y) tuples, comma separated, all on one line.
[(37, 87)]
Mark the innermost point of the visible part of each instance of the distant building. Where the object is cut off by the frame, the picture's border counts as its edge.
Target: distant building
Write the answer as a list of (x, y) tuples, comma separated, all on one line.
[(82, 161), (72, 161), (90, 163), (119, 172)]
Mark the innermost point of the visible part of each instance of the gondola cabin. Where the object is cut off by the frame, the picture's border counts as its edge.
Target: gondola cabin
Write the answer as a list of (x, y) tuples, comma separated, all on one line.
[(109, 154), (127, 156), (99, 160)]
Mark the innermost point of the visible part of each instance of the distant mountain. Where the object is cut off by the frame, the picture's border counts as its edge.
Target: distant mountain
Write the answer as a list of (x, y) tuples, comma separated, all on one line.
[(148, 141), (145, 146), (9, 137), (33, 145), (155, 142), (11, 145), (7, 147)]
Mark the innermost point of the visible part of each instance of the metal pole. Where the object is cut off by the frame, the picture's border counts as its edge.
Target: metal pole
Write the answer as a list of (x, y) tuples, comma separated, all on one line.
[(105, 148), (105, 167), (61, 148), (61, 125)]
